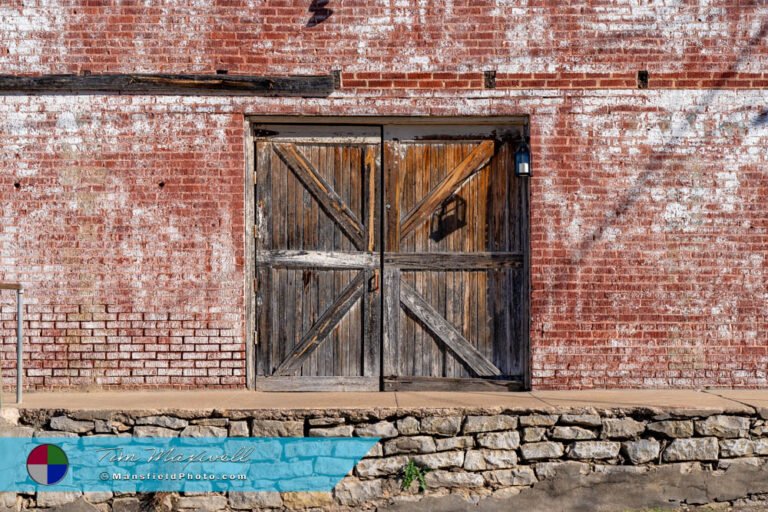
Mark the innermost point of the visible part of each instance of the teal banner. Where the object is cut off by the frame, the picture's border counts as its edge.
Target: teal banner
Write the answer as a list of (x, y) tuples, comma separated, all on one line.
[(129, 464)]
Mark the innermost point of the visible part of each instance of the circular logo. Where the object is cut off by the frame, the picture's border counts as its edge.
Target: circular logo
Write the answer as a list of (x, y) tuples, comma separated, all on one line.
[(47, 464)]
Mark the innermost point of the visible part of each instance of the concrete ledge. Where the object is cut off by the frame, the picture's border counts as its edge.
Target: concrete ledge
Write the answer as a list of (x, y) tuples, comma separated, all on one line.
[(682, 402)]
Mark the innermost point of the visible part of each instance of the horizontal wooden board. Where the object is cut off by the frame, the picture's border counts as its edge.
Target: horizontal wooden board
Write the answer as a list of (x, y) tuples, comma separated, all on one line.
[(450, 384), (317, 259), (408, 127), (454, 261), (10, 286), (280, 383), (230, 85), (317, 134)]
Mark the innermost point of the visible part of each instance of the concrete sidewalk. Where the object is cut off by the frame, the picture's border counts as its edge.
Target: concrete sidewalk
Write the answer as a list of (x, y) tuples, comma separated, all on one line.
[(712, 401)]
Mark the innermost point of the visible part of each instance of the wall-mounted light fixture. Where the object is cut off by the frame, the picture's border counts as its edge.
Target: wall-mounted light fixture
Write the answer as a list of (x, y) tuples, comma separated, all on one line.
[(523, 158)]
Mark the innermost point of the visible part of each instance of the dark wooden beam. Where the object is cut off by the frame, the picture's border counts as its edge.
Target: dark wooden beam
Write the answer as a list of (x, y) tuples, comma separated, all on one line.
[(10, 286), (450, 384), (234, 85), (454, 261)]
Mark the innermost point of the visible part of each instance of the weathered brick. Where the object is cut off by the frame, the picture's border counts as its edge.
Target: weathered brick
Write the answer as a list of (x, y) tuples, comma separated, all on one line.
[(617, 190)]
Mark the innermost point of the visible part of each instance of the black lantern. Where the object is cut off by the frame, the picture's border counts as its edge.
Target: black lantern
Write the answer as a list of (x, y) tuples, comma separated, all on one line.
[(523, 160)]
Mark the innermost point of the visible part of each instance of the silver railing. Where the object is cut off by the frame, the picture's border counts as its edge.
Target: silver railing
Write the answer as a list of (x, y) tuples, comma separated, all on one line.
[(19, 345)]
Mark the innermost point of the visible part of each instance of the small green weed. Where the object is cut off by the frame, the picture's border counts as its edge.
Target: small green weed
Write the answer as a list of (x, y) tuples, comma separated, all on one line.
[(413, 472)]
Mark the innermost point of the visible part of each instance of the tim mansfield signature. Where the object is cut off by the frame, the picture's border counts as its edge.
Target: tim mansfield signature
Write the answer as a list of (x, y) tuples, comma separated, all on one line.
[(174, 456)]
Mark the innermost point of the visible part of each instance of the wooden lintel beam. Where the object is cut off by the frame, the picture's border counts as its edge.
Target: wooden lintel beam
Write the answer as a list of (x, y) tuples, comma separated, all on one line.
[(227, 85)]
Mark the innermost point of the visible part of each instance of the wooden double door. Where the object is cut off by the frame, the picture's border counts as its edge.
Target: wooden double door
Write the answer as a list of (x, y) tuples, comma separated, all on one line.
[(390, 258)]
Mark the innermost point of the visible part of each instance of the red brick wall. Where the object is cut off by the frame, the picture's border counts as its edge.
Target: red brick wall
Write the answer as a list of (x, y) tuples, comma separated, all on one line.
[(648, 222)]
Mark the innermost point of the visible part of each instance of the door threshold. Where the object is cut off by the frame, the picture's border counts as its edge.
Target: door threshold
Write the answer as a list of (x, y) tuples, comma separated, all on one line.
[(292, 383), (451, 384)]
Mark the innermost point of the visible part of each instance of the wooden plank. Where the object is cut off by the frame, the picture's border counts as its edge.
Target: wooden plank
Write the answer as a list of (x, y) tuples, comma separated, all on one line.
[(263, 284), (10, 286), (428, 204), (448, 334), (333, 205), (317, 134), (372, 305), (432, 360), (524, 310), (317, 259), (371, 170), (437, 129), (371, 349), (400, 127), (279, 233), (323, 326), (392, 188), (291, 292), (450, 384), (334, 157), (423, 169), (454, 261), (391, 322), (411, 344), (249, 269), (323, 383), (442, 278), (452, 367), (228, 85), (310, 275), (334, 348)]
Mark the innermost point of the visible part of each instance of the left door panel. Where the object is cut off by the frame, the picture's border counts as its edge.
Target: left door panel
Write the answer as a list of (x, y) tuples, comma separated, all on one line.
[(318, 257)]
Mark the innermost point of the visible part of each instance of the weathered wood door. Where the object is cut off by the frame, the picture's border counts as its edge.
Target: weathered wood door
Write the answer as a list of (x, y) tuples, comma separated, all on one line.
[(455, 285), (318, 257), (410, 277)]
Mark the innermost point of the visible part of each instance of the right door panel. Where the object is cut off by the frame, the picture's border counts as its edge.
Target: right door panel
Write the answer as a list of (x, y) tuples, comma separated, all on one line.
[(455, 273)]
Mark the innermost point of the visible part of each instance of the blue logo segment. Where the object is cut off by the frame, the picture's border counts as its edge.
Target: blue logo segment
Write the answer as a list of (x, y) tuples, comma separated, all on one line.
[(122, 464)]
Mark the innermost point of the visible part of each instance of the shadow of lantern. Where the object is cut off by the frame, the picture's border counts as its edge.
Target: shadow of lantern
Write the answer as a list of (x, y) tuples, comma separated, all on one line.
[(450, 217)]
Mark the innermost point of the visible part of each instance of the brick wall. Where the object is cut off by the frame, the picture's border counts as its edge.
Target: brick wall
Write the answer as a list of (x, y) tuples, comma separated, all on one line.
[(648, 221)]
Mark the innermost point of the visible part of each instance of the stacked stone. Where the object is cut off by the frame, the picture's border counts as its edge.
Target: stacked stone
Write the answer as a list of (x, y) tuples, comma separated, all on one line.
[(472, 454)]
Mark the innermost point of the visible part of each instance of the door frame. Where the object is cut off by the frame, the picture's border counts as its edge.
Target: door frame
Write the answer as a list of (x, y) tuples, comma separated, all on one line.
[(249, 265)]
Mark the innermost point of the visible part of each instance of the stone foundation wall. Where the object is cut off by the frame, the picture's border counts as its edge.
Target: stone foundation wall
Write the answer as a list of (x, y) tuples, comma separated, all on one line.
[(473, 454)]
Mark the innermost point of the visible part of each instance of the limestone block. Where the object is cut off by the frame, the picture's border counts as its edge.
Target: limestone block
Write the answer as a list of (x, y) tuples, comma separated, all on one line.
[(642, 451), (703, 449), (475, 424), (543, 450)]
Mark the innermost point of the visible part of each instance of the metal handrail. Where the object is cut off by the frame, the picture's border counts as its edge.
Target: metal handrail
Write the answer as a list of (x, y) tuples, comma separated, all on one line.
[(19, 336)]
